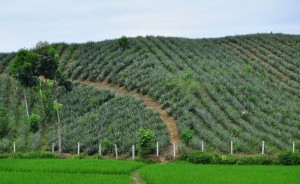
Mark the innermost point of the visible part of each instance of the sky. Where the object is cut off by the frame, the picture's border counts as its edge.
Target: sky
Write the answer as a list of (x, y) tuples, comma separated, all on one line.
[(23, 23)]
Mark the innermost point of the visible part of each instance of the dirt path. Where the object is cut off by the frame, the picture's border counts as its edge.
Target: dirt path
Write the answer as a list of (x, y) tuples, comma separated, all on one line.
[(151, 104), (136, 178)]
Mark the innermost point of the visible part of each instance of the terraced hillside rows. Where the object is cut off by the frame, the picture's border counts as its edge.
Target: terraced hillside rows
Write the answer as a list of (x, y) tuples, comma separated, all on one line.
[(89, 116), (243, 89)]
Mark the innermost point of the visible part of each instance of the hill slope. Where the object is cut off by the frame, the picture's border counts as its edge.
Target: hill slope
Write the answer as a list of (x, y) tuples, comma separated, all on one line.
[(243, 88)]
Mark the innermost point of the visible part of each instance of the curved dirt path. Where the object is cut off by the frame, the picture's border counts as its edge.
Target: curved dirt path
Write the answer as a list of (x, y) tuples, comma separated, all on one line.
[(151, 104), (136, 178)]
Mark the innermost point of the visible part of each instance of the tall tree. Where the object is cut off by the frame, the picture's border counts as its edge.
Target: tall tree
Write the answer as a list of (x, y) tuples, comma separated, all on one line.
[(49, 69), (24, 68)]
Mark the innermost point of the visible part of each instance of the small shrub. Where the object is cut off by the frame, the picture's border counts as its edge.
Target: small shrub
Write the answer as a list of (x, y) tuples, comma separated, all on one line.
[(107, 145), (229, 160), (34, 121), (199, 157), (80, 156), (288, 158), (187, 136), (146, 140)]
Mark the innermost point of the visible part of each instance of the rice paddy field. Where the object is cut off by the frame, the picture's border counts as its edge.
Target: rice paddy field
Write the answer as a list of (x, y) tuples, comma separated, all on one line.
[(24, 171)]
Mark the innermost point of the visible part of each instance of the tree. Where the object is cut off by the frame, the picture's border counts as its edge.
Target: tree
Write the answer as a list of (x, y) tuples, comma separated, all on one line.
[(123, 41), (187, 136), (146, 140), (48, 68), (24, 68), (28, 66)]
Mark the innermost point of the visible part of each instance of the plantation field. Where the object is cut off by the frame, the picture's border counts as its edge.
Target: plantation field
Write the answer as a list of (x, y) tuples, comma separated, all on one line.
[(114, 171), (244, 89), (189, 173), (66, 171)]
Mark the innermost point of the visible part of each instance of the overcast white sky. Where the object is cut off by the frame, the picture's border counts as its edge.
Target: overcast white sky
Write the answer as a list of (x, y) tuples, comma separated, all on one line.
[(25, 22)]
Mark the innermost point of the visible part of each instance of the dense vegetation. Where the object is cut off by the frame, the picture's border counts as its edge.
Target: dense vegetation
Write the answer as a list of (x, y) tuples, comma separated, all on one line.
[(243, 89)]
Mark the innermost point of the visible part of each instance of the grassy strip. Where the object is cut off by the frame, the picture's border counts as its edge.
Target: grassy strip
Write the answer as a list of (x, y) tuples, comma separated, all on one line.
[(49, 178), (182, 172), (69, 166)]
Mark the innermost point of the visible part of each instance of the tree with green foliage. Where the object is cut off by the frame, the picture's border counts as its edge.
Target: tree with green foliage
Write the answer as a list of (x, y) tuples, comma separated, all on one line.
[(49, 69), (187, 135), (146, 141), (24, 68), (28, 66), (123, 42)]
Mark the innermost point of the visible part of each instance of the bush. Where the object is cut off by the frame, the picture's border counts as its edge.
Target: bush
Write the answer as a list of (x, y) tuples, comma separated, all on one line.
[(107, 145), (200, 157), (288, 158), (146, 140), (187, 136), (254, 160), (34, 121)]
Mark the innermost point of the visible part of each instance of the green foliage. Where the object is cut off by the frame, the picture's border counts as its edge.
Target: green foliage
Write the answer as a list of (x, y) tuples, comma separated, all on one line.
[(107, 145), (24, 67), (187, 135), (200, 157), (34, 122), (123, 41), (288, 158), (146, 141), (58, 106)]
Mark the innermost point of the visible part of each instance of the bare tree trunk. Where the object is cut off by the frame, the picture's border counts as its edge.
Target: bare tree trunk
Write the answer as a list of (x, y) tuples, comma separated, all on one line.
[(59, 128)]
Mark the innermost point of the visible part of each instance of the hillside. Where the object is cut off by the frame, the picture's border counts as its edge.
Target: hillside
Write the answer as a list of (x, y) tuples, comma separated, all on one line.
[(244, 89)]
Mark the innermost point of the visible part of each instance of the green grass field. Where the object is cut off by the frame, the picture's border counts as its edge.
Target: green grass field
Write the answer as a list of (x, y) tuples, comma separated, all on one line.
[(182, 172), (66, 171)]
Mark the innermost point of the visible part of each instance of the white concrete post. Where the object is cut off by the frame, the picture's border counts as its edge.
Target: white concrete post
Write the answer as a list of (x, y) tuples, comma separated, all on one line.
[(116, 150), (78, 148), (100, 149), (52, 147), (133, 152), (157, 150), (263, 148), (14, 147), (231, 147), (202, 146), (174, 150), (293, 147)]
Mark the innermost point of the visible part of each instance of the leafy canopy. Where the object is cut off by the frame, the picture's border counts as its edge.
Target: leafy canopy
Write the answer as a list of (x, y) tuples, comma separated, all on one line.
[(24, 67)]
